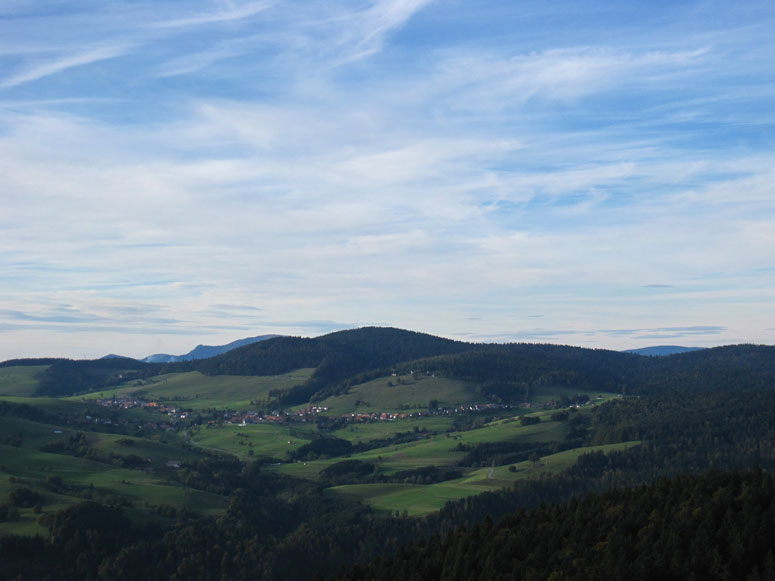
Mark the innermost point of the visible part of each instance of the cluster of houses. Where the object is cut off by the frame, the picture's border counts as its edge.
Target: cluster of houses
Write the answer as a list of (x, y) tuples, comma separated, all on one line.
[(251, 417), (302, 415), (127, 403), (307, 414), (391, 416)]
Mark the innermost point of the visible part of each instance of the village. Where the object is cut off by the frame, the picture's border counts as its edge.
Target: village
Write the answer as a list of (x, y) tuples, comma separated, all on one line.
[(308, 414)]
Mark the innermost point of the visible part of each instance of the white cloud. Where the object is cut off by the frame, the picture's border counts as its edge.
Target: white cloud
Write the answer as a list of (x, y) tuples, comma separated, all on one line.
[(47, 68), (374, 24), (230, 12)]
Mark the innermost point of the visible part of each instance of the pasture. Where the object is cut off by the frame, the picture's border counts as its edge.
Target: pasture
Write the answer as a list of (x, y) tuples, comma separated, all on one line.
[(420, 499), (20, 380), (24, 464), (437, 449), (270, 440), (196, 391), (402, 393)]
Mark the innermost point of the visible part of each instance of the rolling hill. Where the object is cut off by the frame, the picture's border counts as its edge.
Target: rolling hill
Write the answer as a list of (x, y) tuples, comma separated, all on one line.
[(500, 372)]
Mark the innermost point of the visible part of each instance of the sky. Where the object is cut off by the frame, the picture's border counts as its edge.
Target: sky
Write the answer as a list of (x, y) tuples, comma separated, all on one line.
[(581, 172)]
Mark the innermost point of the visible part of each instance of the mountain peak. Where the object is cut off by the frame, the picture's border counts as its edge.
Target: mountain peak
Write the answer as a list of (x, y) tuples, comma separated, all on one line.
[(206, 351), (662, 350)]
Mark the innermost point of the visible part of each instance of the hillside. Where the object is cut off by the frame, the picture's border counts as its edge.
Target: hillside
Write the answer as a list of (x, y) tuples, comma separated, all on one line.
[(346, 358), (498, 372)]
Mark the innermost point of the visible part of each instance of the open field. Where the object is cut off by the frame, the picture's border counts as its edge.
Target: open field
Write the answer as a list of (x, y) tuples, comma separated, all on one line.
[(80, 407), (20, 380), (433, 449), (402, 393), (24, 464), (196, 391), (142, 489), (408, 393), (367, 431), (263, 439), (546, 394), (419, 499)]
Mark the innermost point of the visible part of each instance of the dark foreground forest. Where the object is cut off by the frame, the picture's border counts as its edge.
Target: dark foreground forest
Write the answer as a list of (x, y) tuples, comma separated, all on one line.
[(716, 526)]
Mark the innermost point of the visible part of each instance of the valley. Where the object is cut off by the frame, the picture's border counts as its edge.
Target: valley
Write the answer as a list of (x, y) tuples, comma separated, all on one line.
[(376, 428)]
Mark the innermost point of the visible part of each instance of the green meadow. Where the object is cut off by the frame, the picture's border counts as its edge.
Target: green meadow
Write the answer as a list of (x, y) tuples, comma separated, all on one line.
[(440, 448), (20, 380), (367, 431), (546, 394), (145, 490), (197, 391), (412, 393), (419, 499), (269, 440), (24, 464), (437, 449), (402, 393)]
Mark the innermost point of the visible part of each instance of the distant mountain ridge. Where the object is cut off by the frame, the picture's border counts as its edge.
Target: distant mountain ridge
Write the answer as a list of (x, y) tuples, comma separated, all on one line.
[(661, 350), (205, 351)]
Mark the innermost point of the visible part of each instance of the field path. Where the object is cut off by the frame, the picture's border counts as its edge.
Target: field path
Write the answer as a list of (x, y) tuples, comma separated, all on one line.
[(489, 472)]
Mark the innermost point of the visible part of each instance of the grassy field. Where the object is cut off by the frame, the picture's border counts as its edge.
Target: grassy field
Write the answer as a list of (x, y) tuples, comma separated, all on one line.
[(551, 393), (437, 449), (53, 405), (402, 393), (263, 439), (20, 380), (364, 432), (23, 464), (421, 499), (408, 393), (196, 391), (144, 490)]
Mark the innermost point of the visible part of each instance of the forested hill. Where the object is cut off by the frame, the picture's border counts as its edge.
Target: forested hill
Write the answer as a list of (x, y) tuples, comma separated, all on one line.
[(336, 357), (500, 371), (521, 366), (345, 357), (728, 368), (340, 354), (66, 377)]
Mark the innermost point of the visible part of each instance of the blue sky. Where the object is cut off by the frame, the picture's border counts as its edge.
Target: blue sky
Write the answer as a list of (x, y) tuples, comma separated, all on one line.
[(592, 173)]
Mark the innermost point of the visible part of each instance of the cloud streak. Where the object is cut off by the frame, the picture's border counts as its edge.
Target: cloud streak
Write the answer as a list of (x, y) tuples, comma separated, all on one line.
[(52, 67), (229, 14)]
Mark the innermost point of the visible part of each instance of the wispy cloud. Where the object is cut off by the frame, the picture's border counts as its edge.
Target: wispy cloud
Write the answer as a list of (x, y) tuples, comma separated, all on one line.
[(190, 63), (230, 12), (374, 24), (62, 315), (47, 68), (664, 332)]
